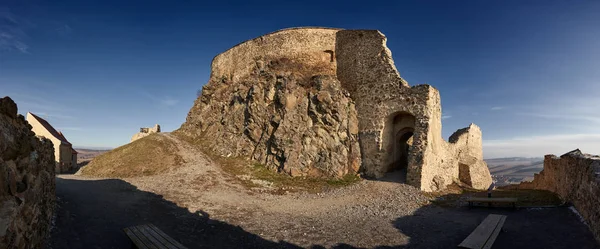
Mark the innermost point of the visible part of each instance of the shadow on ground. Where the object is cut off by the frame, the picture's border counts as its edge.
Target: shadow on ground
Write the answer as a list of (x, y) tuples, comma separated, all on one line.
[(93, 213), (433, 226)]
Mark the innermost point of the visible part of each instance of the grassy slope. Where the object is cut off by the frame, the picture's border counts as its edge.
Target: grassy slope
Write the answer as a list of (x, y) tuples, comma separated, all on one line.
[(150, 155), (281, 182)]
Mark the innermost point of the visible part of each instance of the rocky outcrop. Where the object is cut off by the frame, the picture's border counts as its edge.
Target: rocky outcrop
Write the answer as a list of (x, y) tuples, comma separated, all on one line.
[(296, 120), (144, 132), (27, 197), (575, 177), (328, 102)]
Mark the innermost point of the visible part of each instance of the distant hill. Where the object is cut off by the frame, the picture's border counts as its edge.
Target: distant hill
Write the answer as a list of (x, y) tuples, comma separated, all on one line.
[(511, 170)]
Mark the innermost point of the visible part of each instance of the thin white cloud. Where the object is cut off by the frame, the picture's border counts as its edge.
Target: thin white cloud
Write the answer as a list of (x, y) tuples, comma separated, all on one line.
[(573, 116), (64, 30), (497, 108), (12, 34), (536, 146), (70, 129), (168, 101), (53, 115), (446, 116)]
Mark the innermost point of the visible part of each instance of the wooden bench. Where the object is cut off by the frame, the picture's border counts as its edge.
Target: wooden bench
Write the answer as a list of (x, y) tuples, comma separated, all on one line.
[(148, 236), (485, 234), (491, 200)]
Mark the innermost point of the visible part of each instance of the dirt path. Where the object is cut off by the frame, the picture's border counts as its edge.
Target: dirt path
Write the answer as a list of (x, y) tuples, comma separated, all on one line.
[(204, 208)]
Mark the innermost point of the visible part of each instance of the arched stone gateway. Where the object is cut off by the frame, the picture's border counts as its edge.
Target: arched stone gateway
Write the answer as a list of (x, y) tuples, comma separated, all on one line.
[(398, 138), (328, 102)]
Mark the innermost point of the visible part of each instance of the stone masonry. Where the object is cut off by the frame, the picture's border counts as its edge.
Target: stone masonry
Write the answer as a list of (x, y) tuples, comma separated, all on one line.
[(145, 132), (575, 177), (329, 102), (27, 197)]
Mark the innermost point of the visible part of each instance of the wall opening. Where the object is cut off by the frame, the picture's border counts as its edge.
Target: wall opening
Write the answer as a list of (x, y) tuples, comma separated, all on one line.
[(404, 139), (464, 174), (398, 139)]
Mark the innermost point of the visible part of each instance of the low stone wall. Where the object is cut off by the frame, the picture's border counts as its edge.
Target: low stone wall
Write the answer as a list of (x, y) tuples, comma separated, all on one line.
[(27, 185), (575, 177)]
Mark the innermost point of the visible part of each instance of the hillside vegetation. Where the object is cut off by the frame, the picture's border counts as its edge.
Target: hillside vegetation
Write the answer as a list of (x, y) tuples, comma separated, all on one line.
[(150, 155)]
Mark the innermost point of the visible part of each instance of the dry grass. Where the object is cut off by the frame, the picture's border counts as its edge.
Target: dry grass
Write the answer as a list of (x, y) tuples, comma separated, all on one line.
[(150, 155), (280, 182)]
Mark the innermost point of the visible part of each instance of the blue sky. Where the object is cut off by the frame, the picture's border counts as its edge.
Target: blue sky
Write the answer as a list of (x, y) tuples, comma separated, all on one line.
[(525, 71)]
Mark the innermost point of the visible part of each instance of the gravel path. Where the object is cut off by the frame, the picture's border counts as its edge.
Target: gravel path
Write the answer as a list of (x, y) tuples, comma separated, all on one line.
[(203, 208)]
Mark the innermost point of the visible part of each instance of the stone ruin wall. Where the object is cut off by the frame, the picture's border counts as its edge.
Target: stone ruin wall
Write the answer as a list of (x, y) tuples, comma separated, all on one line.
[(27, 185), (362, 63), (145, 131), (304, 45), (575, 177), (365, 67)]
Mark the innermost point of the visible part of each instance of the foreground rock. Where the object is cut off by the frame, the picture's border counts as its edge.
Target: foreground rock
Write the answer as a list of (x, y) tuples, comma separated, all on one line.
[(329, 102), (575, 177), (27, 198)]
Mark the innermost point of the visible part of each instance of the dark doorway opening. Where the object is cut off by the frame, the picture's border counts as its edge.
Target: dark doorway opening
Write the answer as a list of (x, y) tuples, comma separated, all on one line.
[(398, 139)]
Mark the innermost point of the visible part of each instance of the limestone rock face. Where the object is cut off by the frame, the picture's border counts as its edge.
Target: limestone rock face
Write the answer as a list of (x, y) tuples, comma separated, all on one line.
[(296, 120), (27, 185)]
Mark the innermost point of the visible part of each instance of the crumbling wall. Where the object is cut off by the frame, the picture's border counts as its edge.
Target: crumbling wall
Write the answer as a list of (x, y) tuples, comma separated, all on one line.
[(575, 177), (144, 131), (366, 69), (337, 94), (27, 185)]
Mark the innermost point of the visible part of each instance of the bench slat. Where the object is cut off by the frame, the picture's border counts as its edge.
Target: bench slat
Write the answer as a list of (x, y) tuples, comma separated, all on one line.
[(160, 232), (140, 233), (135, 238), (158, 241), (481, 234), (148, 236), (490, 242), (483, 199), (165, 243)]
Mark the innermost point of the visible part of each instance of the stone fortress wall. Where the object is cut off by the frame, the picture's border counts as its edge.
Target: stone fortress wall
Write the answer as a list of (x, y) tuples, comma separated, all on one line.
[(389, 111), (575, 177), (27, 185)]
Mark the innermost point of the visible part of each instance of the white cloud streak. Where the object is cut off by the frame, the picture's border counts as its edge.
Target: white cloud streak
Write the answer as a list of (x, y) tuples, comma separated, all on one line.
[(536, 146), (446, 116), (12, 34), (497, 108), (55, 116), (70, 129), (166, 101)]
